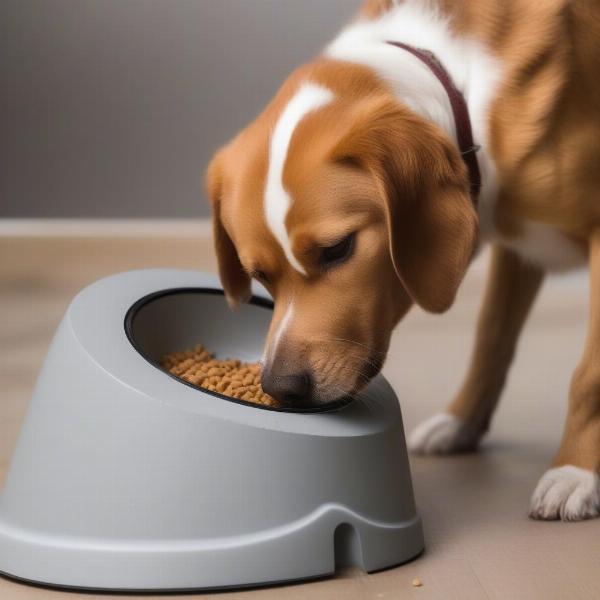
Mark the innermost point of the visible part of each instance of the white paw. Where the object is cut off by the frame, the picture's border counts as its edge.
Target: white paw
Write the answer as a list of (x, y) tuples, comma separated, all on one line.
[(442, 434), (568, 493)]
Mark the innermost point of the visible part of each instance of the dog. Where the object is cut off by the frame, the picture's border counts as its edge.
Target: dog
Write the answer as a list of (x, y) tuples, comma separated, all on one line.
[(422, 131)]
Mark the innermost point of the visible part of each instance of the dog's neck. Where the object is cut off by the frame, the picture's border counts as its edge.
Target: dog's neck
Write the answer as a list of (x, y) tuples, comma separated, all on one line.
[(474, 72), (460, 115)]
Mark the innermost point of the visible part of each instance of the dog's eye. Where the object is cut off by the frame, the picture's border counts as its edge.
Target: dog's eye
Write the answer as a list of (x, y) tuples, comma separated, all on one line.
[(338, 253)]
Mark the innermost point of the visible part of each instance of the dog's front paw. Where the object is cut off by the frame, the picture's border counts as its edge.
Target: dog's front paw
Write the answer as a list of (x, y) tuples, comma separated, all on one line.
[(568, 493), (442, 434)]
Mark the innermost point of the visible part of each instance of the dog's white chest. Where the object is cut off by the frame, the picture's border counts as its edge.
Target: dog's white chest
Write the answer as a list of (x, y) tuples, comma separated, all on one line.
[(543, 245)]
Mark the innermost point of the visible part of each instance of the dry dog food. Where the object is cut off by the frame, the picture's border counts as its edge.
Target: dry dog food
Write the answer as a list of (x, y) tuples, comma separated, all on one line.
[(229, 377)]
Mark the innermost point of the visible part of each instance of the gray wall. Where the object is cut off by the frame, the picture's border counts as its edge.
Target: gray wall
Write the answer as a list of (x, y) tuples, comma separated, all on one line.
[(112, 108)]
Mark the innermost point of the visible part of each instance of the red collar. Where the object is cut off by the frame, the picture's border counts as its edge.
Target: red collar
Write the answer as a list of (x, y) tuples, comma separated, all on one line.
[(460, 113)]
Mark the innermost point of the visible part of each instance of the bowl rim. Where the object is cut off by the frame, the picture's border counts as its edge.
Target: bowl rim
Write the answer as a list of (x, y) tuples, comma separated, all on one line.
[(138, 305)]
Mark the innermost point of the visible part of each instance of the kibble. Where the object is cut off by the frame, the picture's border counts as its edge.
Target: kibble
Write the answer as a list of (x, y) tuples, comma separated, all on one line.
[(230, 377), (416, 582)]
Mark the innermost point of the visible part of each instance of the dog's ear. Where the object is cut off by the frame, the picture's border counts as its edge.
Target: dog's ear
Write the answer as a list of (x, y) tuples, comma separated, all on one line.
[(423, 183), (235, 280)]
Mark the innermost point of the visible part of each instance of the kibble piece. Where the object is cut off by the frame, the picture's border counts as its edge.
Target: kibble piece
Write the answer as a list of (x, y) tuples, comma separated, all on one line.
[(416, 582), (230, 377)]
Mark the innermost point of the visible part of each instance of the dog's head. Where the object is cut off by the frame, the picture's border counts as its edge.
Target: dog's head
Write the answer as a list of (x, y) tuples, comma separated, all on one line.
[(348, 208)]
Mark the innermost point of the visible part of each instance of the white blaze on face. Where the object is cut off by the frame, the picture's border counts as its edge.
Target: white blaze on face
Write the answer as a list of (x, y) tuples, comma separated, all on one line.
[(283, 325), (308, 98), (268, 358)]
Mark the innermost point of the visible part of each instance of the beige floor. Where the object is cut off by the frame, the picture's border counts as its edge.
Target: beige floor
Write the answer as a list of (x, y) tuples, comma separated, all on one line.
[(480, 543)]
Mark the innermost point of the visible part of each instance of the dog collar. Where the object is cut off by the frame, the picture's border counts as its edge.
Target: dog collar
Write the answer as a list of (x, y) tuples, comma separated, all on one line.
[(460, 112)]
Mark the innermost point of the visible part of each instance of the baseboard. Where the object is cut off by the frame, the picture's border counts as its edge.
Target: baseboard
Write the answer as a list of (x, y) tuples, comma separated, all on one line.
[(109, 228)]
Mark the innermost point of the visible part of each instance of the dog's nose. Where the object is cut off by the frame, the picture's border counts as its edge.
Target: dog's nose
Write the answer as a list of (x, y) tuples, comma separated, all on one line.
[(292, 389)]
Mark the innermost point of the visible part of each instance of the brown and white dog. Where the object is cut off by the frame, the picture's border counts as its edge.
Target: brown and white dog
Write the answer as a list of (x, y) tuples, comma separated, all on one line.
[(348, 198)]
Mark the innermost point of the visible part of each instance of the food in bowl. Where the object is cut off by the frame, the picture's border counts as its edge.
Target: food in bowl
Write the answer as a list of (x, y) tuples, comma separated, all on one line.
[(230, 377)]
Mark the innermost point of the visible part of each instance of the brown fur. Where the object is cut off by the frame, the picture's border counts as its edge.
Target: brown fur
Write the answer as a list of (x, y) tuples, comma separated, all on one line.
[(365, 163)]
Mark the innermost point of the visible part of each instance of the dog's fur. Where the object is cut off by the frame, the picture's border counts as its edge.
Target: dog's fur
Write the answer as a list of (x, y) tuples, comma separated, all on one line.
[(362, 140)]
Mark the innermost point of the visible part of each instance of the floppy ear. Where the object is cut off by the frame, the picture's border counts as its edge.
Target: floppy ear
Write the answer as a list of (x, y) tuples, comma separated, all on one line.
[(236, 282), (423, 182)]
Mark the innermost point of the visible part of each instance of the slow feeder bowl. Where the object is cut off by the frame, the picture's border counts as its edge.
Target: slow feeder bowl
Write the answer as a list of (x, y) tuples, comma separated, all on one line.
[(126, 478)]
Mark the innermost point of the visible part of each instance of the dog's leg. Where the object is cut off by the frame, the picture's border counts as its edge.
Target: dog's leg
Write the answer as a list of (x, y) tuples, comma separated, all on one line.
[(511, 289), (571, 489)]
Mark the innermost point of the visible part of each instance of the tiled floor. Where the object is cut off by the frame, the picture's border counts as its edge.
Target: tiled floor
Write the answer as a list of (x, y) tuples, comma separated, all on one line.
[(480, 543)]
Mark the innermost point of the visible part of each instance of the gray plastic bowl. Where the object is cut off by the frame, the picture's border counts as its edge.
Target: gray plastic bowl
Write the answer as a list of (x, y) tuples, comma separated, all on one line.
[(125, 478)]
